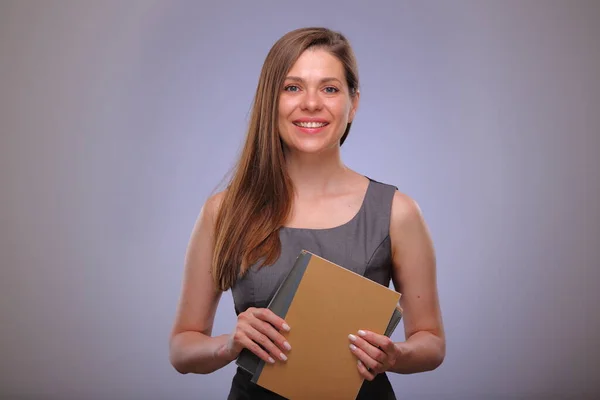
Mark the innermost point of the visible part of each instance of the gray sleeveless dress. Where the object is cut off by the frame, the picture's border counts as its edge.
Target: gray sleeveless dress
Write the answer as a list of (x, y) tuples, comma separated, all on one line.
[(361, 245)]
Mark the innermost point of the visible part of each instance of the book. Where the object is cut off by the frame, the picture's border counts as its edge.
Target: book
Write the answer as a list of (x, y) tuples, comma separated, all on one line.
[(323, 303)]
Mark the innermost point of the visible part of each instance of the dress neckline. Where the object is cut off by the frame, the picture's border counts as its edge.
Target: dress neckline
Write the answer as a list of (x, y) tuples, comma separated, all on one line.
[(355, 217)]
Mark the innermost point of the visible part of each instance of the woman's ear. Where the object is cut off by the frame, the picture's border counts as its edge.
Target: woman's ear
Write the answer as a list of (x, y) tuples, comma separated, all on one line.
[(354, 108)]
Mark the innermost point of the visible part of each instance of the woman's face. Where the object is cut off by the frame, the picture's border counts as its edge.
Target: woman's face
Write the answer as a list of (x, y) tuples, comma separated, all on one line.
[(315, 105)]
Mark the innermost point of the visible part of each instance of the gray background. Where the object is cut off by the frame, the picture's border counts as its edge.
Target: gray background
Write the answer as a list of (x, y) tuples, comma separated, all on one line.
[(118, 119)]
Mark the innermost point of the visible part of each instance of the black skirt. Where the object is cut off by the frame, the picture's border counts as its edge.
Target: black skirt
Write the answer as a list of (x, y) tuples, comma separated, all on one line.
[(242, 388)]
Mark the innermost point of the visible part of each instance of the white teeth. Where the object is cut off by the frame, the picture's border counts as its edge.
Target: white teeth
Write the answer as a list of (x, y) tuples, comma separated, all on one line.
[(311, 124)]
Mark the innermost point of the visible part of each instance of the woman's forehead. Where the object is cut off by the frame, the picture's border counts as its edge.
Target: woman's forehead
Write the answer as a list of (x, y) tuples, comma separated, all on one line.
[(317, 64)]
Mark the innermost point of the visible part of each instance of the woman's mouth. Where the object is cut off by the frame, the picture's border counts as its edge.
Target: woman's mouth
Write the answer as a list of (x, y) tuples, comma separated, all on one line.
[(310, 127)]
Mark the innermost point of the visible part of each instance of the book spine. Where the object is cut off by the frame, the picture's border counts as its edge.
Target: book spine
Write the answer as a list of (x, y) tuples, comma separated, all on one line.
[(279, 304)]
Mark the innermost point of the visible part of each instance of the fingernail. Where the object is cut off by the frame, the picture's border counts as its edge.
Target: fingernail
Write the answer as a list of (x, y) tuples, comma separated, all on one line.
[(352, 337), (362, 333), (271, 360), (359, 362), (287, 346), (286, 327), (352, 347), (283, 357)]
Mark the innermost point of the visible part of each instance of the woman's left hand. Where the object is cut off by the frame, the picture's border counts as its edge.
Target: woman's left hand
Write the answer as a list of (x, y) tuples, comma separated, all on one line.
[(376, 353)]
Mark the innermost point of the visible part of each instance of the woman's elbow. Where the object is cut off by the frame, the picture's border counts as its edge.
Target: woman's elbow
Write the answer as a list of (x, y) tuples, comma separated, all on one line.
[(178, 365), (440, 354), (175, 356)]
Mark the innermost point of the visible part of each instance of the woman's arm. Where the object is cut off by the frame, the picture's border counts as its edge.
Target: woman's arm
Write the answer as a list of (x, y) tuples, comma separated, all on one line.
[(414, 275), (192, 349)]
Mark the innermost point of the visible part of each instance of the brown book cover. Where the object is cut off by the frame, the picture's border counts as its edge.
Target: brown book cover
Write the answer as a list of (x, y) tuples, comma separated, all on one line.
[(323, 303)]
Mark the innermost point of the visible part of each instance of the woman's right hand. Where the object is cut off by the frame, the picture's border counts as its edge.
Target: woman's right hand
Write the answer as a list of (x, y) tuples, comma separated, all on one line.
[(259, 326)]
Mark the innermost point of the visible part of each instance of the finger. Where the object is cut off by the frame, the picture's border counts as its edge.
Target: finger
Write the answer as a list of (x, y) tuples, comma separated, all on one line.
[(256, 349), (365, 358), (383, 342), (266, 343), (364, 372), (372, 351), (269, 316), (272, 333)]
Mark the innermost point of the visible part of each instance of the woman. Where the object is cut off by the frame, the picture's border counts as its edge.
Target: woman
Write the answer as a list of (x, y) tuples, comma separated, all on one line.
[(291, 191)]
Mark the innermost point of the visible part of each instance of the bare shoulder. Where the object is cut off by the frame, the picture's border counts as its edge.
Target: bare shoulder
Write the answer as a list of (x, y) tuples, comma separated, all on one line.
[(405, 212), (212, 205), (207, 216), (202, 232), (409, 232)]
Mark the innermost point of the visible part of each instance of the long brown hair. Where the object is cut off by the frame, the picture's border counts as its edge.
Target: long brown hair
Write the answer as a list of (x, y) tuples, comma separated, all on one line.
[(258, 199)]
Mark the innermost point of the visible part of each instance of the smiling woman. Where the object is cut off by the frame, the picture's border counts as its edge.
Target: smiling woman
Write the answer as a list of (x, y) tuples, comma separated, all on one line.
[(291, 191), (316, 101)]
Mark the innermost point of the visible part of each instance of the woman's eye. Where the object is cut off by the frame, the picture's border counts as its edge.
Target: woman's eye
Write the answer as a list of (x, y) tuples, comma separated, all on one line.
[(331, 90), (291, 88)]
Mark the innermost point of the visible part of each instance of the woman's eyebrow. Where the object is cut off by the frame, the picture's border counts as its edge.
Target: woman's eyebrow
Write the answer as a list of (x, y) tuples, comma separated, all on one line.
[(323, 80)]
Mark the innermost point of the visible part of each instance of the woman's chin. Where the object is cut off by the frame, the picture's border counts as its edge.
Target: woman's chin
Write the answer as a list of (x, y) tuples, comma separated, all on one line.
[(314, 144), (312, 149)]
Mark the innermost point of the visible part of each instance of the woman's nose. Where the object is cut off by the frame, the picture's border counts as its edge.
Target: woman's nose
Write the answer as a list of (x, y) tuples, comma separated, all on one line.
[(311, 101)]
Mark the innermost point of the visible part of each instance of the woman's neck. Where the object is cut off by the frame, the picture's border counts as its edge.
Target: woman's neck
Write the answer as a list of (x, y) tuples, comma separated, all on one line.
[(316, 174)]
